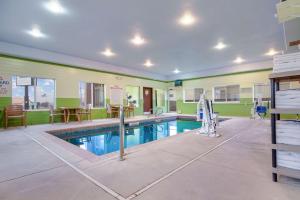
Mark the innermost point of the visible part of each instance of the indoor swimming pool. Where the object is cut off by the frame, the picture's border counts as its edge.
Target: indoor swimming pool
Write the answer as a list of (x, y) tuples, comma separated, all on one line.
[(106, 140)]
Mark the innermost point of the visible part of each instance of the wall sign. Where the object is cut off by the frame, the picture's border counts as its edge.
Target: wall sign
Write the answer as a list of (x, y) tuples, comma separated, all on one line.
[(4, 86), (116, 95), (24, 81)]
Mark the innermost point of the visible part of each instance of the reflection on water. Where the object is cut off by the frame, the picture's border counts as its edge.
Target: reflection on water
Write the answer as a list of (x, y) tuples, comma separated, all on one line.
[(106, 142)]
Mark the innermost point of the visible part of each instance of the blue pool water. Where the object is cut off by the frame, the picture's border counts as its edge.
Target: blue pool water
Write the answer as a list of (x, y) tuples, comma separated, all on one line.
[(106, 141)]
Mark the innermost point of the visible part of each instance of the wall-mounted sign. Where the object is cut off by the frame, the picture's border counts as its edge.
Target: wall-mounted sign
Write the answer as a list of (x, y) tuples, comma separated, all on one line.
[(24, 81), (4, 85), (116, 95)]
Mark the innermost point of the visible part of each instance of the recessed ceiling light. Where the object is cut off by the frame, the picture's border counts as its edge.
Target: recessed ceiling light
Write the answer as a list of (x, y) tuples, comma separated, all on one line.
[(108, 52), (272, 52), (187, 19), (36, 32), (220, 46), (54, 6), (138, 40), (239, 60), (148, 63), (176, 71)]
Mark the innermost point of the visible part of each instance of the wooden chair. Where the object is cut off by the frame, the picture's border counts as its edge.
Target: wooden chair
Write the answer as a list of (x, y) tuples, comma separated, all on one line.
[(53, 113), (131, 110), (108, 111), (112, 111), (87, 112), (115, 111), (14, 112)]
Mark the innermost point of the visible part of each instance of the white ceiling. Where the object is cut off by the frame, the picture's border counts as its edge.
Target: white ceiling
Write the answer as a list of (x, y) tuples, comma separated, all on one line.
[(248, 27)]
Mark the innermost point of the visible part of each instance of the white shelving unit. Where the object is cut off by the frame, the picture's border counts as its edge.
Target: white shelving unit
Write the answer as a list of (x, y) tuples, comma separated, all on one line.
[(285, 134)]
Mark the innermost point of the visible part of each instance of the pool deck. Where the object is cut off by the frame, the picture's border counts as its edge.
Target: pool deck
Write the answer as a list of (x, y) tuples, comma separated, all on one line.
[(35, 165)]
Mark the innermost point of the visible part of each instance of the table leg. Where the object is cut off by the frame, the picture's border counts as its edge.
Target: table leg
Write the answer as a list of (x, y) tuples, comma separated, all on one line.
[(65, 116), (68, 116), (77, 114)]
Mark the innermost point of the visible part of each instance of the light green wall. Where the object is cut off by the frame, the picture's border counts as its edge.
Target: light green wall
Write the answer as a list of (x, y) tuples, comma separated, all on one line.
[(4, 101), (242, 108), (67, 84), (67, 78), (67, 87)]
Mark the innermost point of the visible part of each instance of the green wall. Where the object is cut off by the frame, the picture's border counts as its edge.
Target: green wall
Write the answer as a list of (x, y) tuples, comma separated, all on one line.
[(225, 109), (67, 80), (4, 101), (67, 102), (67, 89), (33, 117)]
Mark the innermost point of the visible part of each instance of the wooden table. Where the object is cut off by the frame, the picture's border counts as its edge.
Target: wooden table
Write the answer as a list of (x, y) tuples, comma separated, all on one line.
[(70, 111), (127, 110)]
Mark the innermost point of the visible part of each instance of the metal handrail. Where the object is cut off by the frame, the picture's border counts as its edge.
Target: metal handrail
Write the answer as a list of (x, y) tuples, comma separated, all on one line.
[(122, 133), (157, 113)]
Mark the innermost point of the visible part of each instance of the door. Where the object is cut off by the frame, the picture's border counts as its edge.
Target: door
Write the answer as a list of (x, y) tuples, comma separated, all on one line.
[(172, 100), (148, 100)]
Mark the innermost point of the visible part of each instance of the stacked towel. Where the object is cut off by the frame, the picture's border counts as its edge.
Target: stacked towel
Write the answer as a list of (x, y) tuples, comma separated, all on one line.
[(288, 98), (288, 159), (286, 62), (287, 132)]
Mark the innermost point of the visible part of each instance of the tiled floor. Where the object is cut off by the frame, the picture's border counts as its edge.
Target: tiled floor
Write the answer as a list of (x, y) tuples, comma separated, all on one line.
[(35, 166)]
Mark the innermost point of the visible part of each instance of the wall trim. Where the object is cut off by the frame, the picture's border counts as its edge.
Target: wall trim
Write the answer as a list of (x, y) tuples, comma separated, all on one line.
[(72, 66), (227, 74), (4, 55)]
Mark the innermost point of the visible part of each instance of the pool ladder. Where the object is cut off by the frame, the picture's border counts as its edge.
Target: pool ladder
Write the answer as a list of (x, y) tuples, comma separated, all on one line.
[(159, 111)]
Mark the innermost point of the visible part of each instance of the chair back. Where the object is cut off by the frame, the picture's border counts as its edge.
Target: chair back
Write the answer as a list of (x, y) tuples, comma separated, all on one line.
[(89, 107), (51, 109), (14, 110), (108, 108)]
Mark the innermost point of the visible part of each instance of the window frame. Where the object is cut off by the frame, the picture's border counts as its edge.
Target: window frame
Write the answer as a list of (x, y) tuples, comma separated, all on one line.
[(266, 84), (165, 97), (253, 91), (226, 102), (191, 88), (34, 89), (92, 94)]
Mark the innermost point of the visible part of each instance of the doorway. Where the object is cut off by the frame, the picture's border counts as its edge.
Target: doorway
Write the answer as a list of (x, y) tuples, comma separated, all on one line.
[(172, 100), (148, 100)]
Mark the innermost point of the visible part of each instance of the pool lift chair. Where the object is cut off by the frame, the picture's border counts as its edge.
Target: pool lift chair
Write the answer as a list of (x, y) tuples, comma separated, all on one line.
[(258, 109), (209, 119)]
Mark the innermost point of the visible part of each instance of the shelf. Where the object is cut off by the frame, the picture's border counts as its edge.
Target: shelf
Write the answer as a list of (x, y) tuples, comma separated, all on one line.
[(286, 147), (285, 111), (287, 172), (289, 75)]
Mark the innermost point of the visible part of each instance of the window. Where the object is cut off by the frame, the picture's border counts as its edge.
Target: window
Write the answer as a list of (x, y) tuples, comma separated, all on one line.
[(132, 95), (33, 93), (229, 93), (160, 98), (192, 95), (92, 93), (262, 91)]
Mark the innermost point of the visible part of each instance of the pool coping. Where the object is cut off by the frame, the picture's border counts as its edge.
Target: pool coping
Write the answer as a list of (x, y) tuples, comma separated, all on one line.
[(75, 154), (112, 155), (115, 155), (111, 124)]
